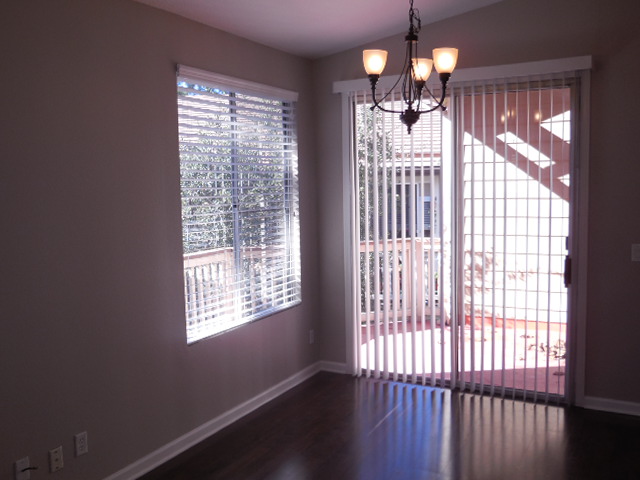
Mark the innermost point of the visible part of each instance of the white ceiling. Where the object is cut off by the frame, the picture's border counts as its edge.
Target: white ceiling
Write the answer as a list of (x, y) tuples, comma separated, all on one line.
[(313, 28)]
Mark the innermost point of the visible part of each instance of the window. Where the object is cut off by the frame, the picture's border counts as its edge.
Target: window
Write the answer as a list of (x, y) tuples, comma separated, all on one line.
[(239, 191), (421, 206)]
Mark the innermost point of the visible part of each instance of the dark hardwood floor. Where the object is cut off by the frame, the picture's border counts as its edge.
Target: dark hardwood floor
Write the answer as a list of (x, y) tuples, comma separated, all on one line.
[(339, 427)]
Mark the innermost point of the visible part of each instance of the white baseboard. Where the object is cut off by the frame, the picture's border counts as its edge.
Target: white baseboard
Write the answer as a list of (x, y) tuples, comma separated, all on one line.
[(613, 406), (333, 367), (179, 445)]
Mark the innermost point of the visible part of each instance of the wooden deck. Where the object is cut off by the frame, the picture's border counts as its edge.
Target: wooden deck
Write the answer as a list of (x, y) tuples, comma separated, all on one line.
[(514, 355)]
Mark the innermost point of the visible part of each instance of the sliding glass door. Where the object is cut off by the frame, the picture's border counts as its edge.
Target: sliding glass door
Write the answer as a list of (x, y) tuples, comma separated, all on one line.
[(403, 244), (461, 234), (513, 143)]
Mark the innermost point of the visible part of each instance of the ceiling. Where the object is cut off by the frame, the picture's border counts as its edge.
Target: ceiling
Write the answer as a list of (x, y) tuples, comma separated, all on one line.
[(313, 28)]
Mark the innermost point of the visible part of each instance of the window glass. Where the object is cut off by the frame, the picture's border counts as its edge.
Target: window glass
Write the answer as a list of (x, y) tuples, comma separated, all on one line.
[(239, 191)]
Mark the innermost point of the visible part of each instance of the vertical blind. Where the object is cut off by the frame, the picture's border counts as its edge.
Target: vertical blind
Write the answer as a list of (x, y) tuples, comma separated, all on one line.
[(239, 189), (514, 148), (401, 246), (460, 237)]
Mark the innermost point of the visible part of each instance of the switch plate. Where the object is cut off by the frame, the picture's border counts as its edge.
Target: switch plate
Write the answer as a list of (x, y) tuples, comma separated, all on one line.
[(21, 473), (82, 443), (56, 461), (635, 252)]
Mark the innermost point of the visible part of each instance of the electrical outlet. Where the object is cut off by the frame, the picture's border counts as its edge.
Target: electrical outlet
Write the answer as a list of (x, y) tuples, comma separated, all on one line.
[(22, 471), (82, 443), (56, 461)]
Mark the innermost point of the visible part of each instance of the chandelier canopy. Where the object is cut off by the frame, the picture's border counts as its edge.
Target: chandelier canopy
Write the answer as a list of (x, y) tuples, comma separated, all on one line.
[(414, 75)]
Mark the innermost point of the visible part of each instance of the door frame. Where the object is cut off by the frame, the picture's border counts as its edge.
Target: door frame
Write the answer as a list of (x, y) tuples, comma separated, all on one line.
[(580, 68)]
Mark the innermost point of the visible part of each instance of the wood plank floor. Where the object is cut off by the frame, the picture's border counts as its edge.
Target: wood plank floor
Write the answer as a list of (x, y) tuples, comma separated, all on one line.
[(339, 427)]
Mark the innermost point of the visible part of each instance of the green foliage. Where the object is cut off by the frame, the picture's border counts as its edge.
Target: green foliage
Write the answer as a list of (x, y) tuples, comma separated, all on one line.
[(237, 178), (374, 152)]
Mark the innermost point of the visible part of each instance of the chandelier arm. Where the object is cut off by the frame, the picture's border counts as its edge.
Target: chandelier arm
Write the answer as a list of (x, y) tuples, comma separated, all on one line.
[(432, 95), (385, 110), (440, 103), (432, 109), (376, 103)]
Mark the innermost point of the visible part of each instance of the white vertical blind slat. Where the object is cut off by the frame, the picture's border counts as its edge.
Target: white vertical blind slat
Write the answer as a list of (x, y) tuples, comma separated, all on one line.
[(472, 236), (494, 262), (412, 256), (376, 252), (404, 259), (428, 313), (367, 300), (397, 345), (460, 322), (357, 265), (532, 138), (504, 151), (483, 237), (550, 249), (385, 254), (516, 246)]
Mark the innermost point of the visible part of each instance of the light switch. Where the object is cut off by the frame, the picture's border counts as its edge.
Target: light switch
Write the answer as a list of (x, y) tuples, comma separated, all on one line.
[(635, 252)]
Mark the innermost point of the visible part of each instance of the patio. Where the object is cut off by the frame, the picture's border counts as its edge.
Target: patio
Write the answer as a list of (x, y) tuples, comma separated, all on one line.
[(515, 355)]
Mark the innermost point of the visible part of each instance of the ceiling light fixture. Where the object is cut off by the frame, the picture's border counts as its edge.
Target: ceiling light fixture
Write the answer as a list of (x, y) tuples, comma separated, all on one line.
[(414, 74)]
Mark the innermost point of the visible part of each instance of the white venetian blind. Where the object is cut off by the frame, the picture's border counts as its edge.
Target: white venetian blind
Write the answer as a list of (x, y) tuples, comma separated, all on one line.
[(240, 231)]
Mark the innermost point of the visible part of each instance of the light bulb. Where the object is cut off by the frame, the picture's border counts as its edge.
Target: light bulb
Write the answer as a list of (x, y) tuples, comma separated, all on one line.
[(374, 61), (445, 59), (422, 68)]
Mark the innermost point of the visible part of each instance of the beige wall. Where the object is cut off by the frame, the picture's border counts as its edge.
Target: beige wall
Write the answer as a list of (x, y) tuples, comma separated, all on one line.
[(92, 333), (516, 31)]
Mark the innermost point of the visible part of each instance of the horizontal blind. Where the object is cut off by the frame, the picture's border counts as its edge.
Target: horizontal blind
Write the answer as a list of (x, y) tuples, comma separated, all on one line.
[(240, 231)]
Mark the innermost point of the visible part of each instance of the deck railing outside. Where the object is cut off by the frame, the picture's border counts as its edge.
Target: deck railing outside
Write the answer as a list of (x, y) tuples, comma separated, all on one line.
[(209, 291)]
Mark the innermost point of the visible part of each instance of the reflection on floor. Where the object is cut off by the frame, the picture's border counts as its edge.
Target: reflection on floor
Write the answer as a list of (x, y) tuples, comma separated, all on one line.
[(340, 427)]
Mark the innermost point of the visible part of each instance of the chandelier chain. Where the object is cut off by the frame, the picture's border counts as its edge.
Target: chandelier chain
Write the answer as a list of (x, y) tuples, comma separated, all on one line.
[(413, 76), (414, 14)]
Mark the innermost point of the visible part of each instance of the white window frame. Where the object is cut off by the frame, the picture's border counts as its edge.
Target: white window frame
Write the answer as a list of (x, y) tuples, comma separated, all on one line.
[(238, 159)]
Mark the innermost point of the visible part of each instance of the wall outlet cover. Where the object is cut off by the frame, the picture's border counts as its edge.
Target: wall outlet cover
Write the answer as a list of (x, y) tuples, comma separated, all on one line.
[(81, 443), (56, 461), (20, 471)]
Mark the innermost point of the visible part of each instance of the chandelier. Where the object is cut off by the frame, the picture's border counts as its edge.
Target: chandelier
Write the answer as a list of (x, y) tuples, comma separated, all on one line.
[(414, 75)]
